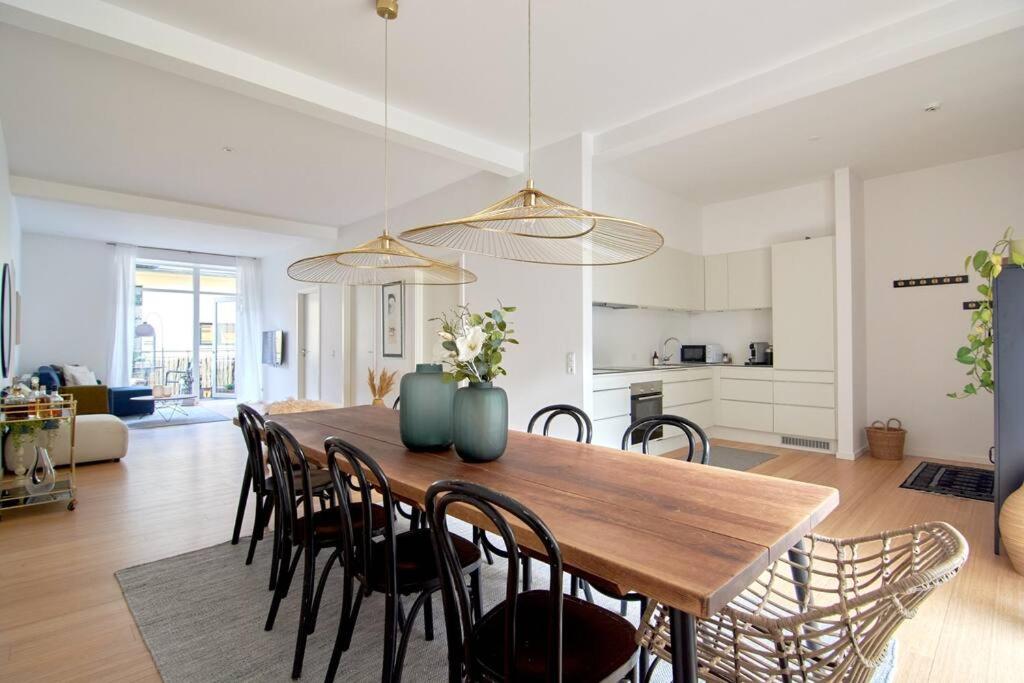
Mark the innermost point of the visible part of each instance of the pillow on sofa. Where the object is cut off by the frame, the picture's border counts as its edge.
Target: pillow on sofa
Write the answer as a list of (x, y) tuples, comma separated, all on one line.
[(78, 375)]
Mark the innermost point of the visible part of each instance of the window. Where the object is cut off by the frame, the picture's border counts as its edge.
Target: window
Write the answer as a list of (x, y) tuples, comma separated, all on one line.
[(185, 312)]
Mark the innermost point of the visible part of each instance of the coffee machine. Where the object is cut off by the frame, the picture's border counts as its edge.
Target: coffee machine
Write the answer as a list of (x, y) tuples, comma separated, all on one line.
[(760, 354)]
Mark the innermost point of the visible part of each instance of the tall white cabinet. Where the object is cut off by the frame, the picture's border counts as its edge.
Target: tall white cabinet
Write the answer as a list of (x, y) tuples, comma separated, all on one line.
[(803, 338), (804, 304)]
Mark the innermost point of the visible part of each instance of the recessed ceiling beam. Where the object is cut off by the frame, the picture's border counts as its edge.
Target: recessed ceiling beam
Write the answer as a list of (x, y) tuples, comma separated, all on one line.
[(949, 26), (152, 206), (102, 26)]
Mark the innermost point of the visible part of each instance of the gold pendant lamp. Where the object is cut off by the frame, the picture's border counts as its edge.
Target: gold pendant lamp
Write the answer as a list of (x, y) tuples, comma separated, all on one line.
[(385, 259), (535, 227)]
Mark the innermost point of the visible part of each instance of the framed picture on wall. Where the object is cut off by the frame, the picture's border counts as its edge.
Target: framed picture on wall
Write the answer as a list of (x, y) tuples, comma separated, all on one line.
[(392, 305)]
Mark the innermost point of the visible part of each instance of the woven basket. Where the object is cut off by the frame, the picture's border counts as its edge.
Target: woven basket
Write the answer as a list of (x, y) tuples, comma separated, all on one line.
[(885, 441)]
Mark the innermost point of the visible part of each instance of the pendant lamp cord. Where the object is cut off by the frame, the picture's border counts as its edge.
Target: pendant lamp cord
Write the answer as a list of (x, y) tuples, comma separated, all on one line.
[(529, 90), (386, 159)]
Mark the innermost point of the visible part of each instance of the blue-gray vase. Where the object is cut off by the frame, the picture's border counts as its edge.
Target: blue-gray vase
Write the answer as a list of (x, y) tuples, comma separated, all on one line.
[(481, 422), (425, 418)]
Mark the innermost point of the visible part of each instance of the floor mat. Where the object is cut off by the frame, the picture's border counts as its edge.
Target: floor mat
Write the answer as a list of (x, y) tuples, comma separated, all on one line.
[(952, 480)]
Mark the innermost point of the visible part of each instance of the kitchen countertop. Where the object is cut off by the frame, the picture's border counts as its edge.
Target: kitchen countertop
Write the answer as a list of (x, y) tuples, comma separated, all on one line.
[(671, 366)]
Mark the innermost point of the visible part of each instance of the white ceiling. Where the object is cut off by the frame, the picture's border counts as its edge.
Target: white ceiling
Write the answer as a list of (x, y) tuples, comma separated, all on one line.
[(710, 100), (82, 117), (597, 63), (88, 222), (876, 126)]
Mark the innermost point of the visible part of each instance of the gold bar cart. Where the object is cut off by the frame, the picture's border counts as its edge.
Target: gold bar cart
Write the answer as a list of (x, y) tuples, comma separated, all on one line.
[(33, 416)]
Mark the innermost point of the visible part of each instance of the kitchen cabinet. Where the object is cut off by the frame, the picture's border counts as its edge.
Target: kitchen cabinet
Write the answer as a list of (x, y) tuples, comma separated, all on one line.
[(803, 304), (745, 415), (749, 276), (670, 279), (716, 282), (805, 421)]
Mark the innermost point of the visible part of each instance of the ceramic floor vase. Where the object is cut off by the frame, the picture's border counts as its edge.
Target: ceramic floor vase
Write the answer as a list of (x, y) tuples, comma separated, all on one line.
[(1011, 528), (425, 418), (481, 422)]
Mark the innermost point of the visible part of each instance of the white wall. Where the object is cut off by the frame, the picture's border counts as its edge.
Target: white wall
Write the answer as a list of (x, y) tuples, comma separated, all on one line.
[(67, 296), (628, 337), (10, 231), (734, 330), (851, 339), (627, 197), (925, 223), (766, 219), (280, 299)]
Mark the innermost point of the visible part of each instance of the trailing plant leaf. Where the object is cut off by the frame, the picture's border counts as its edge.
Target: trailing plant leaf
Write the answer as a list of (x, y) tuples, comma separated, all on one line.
[(978, 353)]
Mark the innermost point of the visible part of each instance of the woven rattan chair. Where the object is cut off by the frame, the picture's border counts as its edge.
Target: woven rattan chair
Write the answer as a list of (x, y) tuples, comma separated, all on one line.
[(826, 612)]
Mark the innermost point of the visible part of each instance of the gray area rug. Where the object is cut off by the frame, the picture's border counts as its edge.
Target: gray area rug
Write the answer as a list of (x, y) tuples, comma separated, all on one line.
[(202, 613), (194, 415), (737, 459)]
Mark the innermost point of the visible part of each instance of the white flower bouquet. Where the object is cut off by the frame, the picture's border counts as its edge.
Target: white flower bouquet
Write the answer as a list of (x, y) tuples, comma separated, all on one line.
[(474, 343)]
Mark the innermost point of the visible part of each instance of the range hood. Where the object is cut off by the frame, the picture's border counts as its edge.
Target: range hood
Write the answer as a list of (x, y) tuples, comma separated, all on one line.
[(617, 307)]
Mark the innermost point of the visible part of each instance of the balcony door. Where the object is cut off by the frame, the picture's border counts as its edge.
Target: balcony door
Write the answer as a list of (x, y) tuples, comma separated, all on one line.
[(185, 328)]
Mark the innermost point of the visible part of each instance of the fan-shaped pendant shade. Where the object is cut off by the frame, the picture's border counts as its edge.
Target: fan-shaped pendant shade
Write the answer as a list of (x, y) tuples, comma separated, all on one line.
[(380, 261), (537, 228)]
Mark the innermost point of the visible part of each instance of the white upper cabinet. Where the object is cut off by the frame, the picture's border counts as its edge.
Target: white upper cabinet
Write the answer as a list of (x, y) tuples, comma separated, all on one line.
[(692, 293), (716, 282), (803, 304), (670, 278), (750, 279)]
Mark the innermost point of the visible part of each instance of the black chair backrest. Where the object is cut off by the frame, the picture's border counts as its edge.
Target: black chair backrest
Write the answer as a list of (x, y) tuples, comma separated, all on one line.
[(459, 621), (287, 459), (251, 423), (357, 549), (584, 427), (687, 427)]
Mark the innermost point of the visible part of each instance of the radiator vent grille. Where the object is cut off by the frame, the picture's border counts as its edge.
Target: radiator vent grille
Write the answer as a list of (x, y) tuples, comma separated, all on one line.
[(806, 443)]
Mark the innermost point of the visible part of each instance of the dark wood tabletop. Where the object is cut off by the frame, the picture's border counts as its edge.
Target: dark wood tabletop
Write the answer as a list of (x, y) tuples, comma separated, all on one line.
[(688, 535)]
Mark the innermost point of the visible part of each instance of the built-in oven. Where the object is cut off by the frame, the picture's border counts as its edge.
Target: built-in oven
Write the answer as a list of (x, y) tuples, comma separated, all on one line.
[(644, 401)]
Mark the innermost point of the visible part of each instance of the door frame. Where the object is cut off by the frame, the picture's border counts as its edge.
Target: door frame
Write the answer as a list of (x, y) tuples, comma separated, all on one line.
[(300, 338)]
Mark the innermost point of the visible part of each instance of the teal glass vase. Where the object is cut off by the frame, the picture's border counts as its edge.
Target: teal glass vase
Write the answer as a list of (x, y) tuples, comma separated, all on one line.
[(425, 415), (481, 422)]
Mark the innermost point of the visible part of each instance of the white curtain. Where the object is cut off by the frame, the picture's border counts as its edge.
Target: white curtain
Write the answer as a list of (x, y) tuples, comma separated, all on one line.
[(248, 332), (123, 346)]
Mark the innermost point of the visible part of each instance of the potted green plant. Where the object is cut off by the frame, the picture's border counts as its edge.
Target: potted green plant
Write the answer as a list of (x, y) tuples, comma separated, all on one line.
[(978, 352), (475, 344)]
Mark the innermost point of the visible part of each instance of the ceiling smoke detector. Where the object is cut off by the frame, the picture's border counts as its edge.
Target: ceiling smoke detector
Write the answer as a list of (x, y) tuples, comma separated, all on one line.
[(933, 106)]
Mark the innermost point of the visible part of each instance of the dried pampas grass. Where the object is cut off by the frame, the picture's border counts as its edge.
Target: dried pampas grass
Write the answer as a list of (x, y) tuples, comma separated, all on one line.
[(380, 386)]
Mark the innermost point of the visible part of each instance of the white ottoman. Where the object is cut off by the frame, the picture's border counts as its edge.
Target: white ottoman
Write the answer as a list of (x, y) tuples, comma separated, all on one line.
[(97, 437)]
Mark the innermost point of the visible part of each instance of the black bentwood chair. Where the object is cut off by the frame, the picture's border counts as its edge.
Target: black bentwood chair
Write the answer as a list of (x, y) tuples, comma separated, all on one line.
[(309, 531), (395, 564), (537, 635), (413, 515), (647, 426), (584, 434), (251, 424)]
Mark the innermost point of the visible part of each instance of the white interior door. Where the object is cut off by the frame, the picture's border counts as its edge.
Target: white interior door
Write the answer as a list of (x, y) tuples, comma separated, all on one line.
[(309, 345)]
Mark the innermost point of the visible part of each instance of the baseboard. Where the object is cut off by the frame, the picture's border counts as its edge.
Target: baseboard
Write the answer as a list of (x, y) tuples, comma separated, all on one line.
[(953, 457), (763, 439)]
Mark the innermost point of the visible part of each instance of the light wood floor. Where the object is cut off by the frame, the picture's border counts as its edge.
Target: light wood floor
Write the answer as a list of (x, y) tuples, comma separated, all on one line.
[(62, 617)]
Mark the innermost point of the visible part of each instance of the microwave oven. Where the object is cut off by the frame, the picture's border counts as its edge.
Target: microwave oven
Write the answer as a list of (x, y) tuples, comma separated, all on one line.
[(700, 353)]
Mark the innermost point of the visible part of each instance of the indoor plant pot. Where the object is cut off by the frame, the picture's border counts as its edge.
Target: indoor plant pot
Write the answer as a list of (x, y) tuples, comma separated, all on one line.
[(481, 422), (425, 418), (1011, 528)]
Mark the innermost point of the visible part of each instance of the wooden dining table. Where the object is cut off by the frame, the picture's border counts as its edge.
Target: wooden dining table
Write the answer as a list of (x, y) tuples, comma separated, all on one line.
[(687, 535)]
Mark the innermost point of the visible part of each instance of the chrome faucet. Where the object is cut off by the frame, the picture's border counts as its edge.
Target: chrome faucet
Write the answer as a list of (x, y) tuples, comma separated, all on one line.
[(666, 357)]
